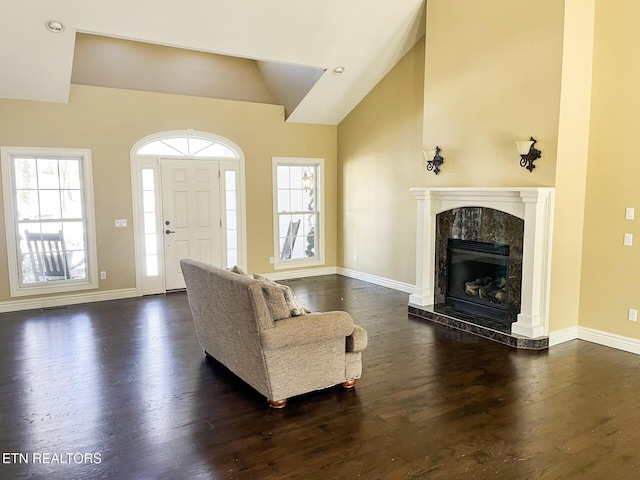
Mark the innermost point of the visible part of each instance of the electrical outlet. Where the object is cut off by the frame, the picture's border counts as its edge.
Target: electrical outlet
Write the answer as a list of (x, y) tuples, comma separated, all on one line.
[(628, 239), (630, 213), (103, 275), (121, 223), (633, 314), (271, 260), (356, 258)]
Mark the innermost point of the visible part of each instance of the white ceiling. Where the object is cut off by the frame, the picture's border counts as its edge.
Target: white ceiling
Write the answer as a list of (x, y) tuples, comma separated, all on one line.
[(367, 37)]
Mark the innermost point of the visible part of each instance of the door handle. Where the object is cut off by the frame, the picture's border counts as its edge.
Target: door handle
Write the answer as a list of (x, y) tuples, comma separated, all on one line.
[(167, 231)]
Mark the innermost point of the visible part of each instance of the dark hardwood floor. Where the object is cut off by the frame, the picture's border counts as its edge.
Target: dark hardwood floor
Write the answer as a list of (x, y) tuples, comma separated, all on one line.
[(126, 382)]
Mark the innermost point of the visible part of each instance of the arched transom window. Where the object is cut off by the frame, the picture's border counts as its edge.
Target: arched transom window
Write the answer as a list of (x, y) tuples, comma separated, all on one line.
[(187, 147)]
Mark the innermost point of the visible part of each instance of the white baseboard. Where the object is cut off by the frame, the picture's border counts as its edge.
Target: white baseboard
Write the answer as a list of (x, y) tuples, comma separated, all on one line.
[(63, 300), (607, 339), (365, 277), (302, 273), (564, 335), (383, 282)]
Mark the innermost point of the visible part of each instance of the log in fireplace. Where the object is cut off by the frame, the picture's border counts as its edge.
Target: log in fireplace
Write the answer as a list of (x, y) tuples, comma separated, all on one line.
[(477, 276)]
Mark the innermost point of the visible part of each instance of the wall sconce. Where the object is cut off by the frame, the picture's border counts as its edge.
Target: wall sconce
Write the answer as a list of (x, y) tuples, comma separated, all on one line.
[(528, 153), (436, 162)]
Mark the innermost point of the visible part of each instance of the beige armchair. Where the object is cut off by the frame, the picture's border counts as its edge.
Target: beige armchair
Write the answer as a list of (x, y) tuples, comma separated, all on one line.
[(246, 325)]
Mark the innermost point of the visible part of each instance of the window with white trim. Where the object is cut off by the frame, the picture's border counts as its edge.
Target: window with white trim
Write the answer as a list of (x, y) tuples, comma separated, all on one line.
[(149, 226), (230, 185), (298, 212), (49, 223)]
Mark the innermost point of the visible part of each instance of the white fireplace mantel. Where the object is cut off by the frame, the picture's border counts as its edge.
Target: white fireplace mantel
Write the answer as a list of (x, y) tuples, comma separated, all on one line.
[(534, 205)]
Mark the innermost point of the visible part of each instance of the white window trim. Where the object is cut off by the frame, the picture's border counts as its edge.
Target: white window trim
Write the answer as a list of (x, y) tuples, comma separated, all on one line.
[(319, 182), (8, 188)]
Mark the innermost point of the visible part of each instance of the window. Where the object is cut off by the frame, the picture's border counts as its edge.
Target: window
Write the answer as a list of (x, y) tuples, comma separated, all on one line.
[(183, 146), (231, 216), (299, 220), (48, 202), (149, 211)]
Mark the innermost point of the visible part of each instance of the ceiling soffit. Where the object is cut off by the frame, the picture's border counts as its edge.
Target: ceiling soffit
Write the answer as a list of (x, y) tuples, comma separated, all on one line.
[(366, 37), (117, 63)]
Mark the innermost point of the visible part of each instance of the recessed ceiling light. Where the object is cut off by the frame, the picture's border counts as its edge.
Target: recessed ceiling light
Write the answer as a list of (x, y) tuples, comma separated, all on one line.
[(54, 26), (338, 70)]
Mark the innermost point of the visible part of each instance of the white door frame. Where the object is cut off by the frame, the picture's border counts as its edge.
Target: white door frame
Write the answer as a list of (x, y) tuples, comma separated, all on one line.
[(146, 285)]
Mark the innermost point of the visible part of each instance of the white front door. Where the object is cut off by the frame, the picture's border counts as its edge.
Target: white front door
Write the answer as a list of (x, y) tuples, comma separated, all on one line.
[(191, 215)]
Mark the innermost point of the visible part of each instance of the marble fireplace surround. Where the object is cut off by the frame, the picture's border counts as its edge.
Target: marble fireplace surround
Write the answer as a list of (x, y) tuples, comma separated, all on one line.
[(534, 205)]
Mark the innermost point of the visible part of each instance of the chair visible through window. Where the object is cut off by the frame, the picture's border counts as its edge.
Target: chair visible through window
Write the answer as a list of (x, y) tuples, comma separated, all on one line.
[(47, 253), (290, 240)]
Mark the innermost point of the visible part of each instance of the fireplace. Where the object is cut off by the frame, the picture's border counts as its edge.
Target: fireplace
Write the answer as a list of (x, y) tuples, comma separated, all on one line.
[(518, 217), (477, 278)]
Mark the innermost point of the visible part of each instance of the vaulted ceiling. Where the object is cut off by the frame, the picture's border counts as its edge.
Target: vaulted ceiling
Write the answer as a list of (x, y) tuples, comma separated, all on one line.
[(287, 49)]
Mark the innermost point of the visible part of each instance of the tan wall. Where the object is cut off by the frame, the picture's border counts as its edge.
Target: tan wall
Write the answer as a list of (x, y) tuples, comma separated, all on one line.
[(379, 157), (492, 78), (110, 121), (610, 280), (488, 83), (571, 170)]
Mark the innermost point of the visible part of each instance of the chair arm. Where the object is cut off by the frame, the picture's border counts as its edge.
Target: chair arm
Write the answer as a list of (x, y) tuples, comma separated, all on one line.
[(357, 341), (307, 329)]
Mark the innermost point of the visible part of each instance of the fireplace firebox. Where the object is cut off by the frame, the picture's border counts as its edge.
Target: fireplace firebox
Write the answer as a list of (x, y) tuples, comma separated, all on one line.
[(477, 276)]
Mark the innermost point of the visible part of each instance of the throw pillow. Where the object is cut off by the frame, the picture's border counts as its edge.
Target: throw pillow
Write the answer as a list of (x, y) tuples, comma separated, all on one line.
[(294, 306), (239, 271), (276, 302)]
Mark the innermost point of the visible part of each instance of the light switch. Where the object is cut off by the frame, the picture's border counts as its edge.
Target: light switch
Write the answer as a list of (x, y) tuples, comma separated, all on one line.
[(628, 239), (630, 213), (121, 223)]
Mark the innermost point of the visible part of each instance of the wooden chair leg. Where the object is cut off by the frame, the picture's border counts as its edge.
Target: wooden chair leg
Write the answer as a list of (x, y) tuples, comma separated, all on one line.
[(349, 384), (278, 403)]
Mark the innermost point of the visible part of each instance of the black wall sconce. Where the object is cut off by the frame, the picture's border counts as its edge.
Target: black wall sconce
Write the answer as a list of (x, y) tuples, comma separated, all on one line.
[(435, 163), (528, 153)]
